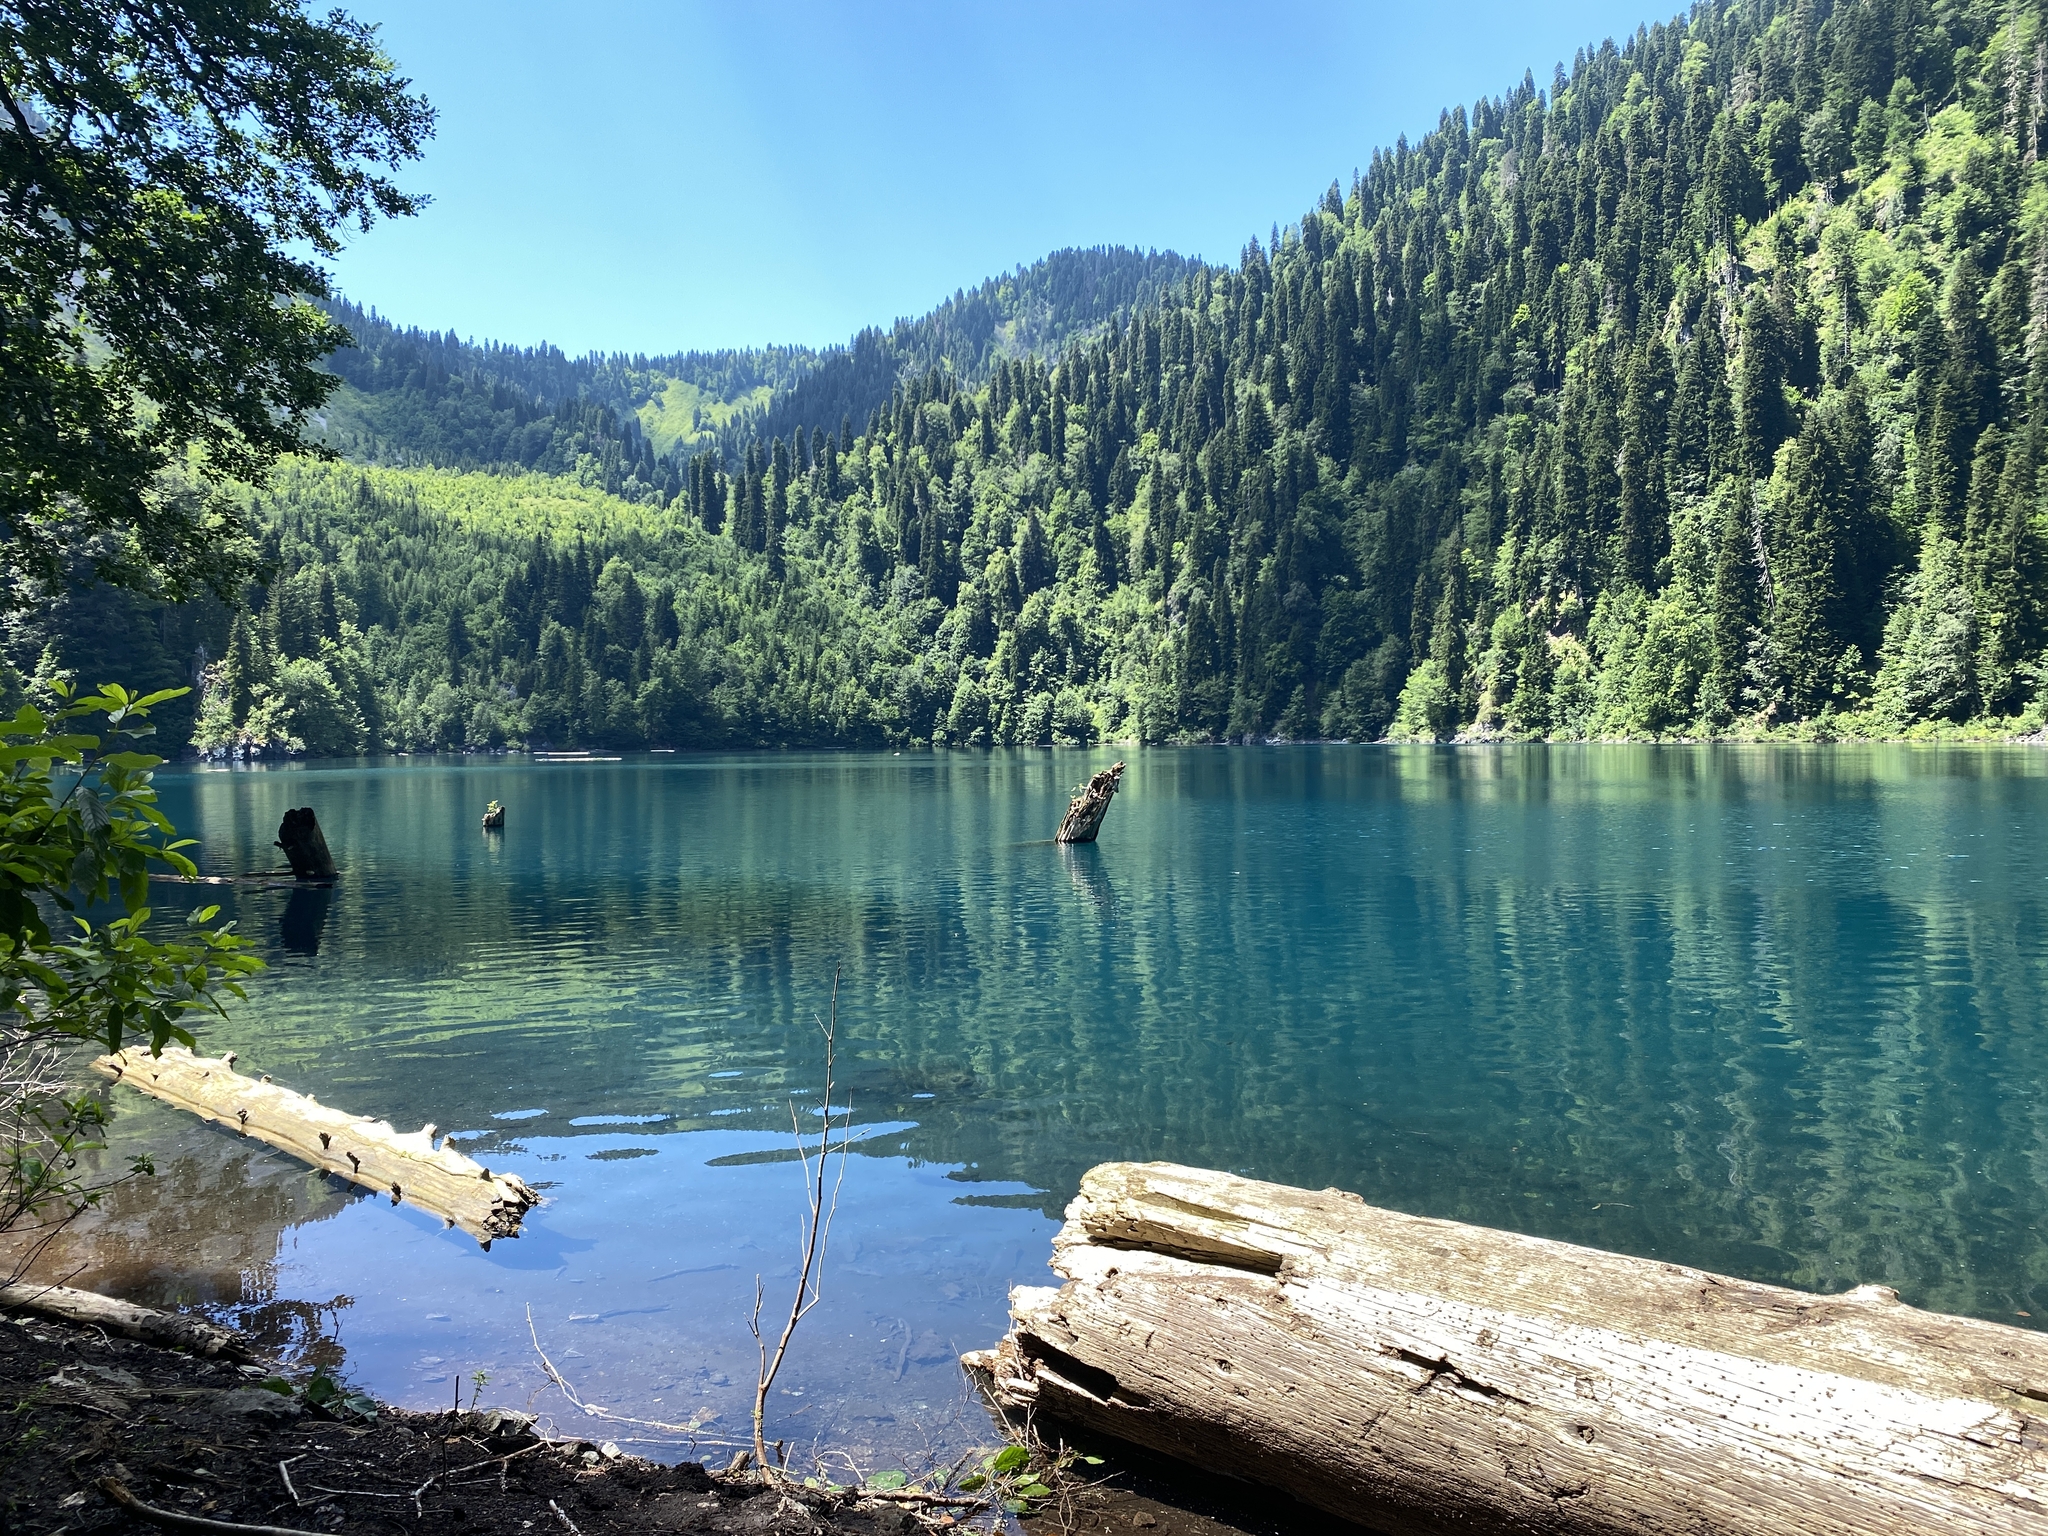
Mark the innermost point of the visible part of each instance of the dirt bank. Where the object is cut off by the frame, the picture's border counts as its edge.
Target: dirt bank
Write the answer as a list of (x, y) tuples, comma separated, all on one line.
[(191, 1437)]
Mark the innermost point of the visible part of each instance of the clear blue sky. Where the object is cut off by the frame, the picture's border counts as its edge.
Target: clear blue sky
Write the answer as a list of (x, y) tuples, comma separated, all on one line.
[(645, 176)]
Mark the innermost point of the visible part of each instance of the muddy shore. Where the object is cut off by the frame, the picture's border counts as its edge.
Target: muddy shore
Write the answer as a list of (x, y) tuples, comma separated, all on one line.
[(83, 1413)]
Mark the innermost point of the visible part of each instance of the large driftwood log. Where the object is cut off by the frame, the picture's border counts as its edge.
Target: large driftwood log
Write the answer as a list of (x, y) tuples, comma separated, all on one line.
[(1428, 1376), (305, 845), (366, 1152), (172, 1329), (1086, 810)]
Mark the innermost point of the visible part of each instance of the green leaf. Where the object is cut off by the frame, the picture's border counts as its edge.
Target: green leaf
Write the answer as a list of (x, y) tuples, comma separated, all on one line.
[(971, 1482), (1015, 1507), (1009, 1459), (1034, 1491), (321, 1389), (276, 1384), (895, 1478)]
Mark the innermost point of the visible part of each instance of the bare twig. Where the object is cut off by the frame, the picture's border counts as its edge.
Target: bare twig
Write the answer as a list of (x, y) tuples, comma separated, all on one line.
[(448, 1474), (284, 1471), (564, 1518), (561, 1382), (355, 1493), (172, 1520), (919, 1496), (817, 1229)]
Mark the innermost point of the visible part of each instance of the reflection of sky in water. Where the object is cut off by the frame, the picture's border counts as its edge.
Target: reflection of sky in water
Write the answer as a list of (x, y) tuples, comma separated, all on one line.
[(640, 1273), (1773, 1011), (638, 1270)]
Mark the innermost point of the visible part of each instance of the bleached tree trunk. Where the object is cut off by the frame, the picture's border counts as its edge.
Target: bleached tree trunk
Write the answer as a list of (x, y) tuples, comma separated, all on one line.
[(366, 1152), (171, 1329), (1428, 1376)]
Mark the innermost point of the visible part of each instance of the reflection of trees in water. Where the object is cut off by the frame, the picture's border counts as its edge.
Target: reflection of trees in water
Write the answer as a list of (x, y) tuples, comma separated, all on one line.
[(204, 1231), (305, 915), (1721, 1005), (1084, 865)]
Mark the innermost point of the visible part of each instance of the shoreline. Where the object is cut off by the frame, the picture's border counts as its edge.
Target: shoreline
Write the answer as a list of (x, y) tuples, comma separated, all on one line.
[(1801, 735), (234, 1442)]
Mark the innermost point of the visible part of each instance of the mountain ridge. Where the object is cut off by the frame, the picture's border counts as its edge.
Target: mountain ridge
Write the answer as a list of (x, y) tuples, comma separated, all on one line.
[(432, 397)]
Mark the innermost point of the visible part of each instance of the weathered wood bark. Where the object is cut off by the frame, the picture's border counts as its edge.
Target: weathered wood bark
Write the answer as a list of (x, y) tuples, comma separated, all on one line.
[(1428, 1376), (170, 1329), (305, 847), (366, 1152), (1086, 810)]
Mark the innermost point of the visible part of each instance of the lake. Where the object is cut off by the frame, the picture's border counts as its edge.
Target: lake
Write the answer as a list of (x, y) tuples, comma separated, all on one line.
[(1776, 1011)]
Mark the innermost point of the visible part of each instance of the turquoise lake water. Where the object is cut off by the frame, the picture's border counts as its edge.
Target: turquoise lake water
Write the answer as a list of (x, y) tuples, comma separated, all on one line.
[(1773, 1011)]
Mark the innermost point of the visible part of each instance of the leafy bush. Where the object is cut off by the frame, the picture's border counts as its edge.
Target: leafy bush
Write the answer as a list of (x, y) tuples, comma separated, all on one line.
[(80, 830)]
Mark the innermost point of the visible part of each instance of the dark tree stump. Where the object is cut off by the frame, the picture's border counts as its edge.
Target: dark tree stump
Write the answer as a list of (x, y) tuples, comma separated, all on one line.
[(1086, 810), (299, 836)]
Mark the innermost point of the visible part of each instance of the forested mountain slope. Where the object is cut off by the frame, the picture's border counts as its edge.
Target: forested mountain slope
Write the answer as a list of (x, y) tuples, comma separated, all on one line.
[(1702, 391), (626, 422), (1034, 311)]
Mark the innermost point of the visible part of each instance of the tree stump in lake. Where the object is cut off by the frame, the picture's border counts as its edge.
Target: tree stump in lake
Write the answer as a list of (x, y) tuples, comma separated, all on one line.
[(304, 846), (1426, 1376), (1086, 810)]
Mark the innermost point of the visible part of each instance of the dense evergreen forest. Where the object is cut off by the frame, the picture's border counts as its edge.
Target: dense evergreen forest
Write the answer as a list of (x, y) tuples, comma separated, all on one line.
[(1700, 391)]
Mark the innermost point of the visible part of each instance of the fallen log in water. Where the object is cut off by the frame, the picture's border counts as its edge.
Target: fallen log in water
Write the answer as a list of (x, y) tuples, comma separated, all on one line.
[(366, 1152), (171, 1329), (1428, 1376), (1086, 810)]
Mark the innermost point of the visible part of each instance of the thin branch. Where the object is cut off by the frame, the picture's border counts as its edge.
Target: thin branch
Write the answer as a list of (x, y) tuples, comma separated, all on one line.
[(354, 1493), (919, 1496), (561, 1382), (173, 1520), (816, 1236)]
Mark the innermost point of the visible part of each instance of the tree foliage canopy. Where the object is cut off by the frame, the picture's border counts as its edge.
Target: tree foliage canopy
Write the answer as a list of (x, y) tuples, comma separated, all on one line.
[(162, 168)]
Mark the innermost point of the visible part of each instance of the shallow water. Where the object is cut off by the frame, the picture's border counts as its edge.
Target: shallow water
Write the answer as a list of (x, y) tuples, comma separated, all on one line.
[(1774, 1011)]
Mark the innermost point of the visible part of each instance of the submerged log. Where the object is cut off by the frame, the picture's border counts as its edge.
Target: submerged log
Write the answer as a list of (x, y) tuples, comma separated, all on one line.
[(1086, 810), (305, 848), (1429, 1376), (365, 1152), (173, 1330)]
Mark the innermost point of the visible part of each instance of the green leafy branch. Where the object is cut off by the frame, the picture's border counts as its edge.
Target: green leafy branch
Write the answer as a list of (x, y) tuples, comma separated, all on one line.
[(64, 853), (80, 829)]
